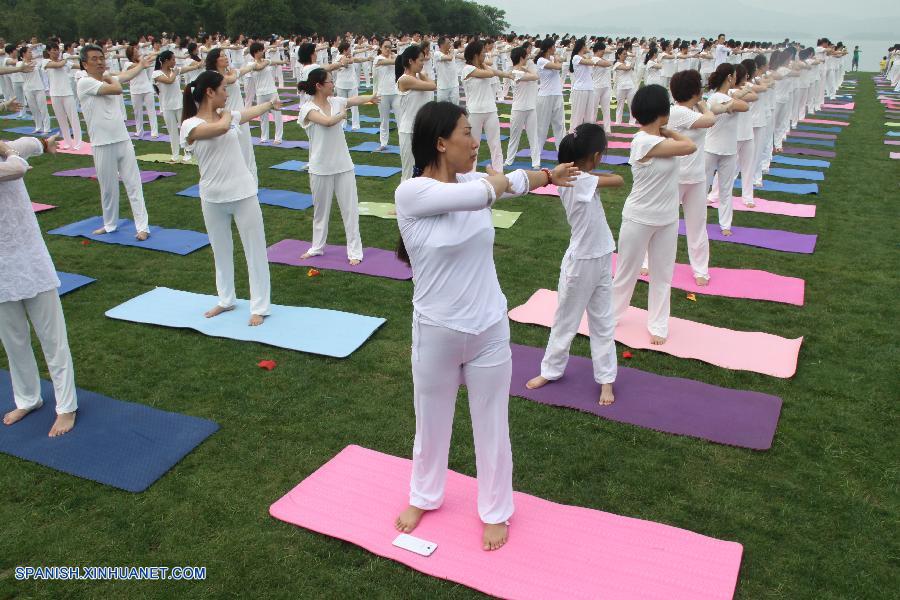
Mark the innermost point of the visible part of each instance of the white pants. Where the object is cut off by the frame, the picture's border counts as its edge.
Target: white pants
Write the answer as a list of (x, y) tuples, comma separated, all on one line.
[(659, 244), (767, 146), (113, 162), (250, 91), (37, 104), (264, 119), (782, 122), (388, 104), (247, 152), (247, 215), (172, 119), (442, 359), (144, 103), (342, 185), (602, 98), (46, 316), (724, 166), (693, 203), (550, 114), (490, 124), (19, 92), (624, 97), (354, 111), (407, 160), (67, 117), (759, 143), (584, 109), (448, 95), (746, 155), (523, 121), (584, 284)]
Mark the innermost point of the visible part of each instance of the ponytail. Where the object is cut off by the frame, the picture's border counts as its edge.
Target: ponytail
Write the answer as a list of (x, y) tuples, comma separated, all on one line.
[(315, 77), (718, 77), (402, 62), (579, 45), (195, 92), (584, 142)]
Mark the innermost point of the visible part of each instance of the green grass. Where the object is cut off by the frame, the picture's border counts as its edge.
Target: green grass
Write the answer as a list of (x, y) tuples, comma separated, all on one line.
[(817, 514)]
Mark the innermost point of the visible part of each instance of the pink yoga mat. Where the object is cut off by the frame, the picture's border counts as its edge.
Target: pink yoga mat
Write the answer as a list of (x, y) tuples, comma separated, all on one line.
[(847, 106), (38, 207), (772, 207), (738, 283), (555, 551), (85, 150), (895, 155), (825, 122), (892, 142), (284, 118), (816, 136), (739, 350)]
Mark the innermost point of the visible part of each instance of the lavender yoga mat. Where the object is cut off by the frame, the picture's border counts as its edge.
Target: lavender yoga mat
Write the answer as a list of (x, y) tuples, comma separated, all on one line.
[(91, 173), (808, 151), (772, 239), (815, 136), (376, 262), (667, 404)]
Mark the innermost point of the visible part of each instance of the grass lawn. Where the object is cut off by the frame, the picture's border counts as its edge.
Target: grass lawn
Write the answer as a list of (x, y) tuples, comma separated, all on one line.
[(814, 513)]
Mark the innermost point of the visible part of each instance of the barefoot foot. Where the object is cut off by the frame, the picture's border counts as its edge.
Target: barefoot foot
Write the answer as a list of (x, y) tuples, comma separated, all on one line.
[(536, 382), (14, 416), (657, 340), (256, 320), (354, 262), (409, 519), (645, 272), (726, 232), (100, 231), (307, 255), (217, 310), (701, 281), (63, 424), (494, 536), (606, 394), (142, 236)]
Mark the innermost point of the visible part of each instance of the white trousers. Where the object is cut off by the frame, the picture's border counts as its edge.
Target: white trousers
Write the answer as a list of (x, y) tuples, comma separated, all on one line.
[(19, 92), (490, 124), (448, 95), (442, 359), (172, 119), (584, 109), (724, 166), (407, 160), (264, 119), (354, 111), (247, 152), (37, 104), (247, 215), (114, 162), (250, 91), (388, 104), (693, 204), (523, 121), (782, 122), (767, 145), (46, 316), (584, 284), (67, 117), (550, 115), (624, 97), (759, 142), (602, 97), (746, 158), (144, 104), (659, 244), (342, 185)]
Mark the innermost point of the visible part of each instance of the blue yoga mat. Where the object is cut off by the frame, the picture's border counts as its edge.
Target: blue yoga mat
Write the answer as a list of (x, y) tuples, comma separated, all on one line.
[(176, 241), (69, 282), (315, 330), (25, 117), (128, 446), (527, 166), (811, 142), (368, 119), (800, 162), (27, 130), (367, 130), (290, 165), (893, 133), (375, 171), (787, 188), (373, 146), (820, 129), (283, 198), (797, 174), (284, 145)]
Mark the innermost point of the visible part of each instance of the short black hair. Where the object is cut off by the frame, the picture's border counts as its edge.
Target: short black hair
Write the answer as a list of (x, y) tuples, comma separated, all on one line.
[(650, 102), (685, 85), (586, 140)]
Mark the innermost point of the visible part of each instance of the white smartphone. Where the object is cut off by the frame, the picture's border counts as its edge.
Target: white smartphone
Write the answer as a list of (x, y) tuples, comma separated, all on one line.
[(414, 544)]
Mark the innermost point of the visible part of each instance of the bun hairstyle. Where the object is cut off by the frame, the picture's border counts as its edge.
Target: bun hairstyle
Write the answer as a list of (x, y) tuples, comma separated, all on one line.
[(162, 57), (718, 77), (546, 45), (579, 46), (619, 53), (305, 53), (740, 74), (583, 143), (472, 51), (750, 65), (411, 53), (212, 58), (195, 92), (315, 77)]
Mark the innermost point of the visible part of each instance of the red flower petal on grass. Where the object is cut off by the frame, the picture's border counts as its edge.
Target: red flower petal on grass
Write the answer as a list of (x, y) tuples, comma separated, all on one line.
[(268, 365), (626, 354)]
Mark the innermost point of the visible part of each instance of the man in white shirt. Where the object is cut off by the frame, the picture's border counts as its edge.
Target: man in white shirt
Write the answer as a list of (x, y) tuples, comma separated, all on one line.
[(445, 68), (113, 151), (720, 51)]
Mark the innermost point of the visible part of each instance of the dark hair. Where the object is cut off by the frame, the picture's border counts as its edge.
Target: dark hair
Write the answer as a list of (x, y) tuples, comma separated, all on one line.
[(473, 49), (546, 44), (599, 46), (192, 51), (517, 54), (651, 52), (579, 46), (305, 53), (740, 73), (411, 53), (343, 46), (195, 91), (760, 60), (315, 77), (254, 48), (212, 58), (161, 58), (584, 142), (749, 65), (685, 85), (619, 52), (718, 77), (649, 103)]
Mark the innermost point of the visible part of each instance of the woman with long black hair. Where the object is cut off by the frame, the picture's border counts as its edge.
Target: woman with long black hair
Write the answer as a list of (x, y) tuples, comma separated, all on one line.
[(551, 112), (165, 76), (415, 89), (385, 86)]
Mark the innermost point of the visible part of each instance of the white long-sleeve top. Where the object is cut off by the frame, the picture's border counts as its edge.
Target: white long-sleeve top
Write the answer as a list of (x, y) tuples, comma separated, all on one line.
[(449, 235), (26, 269)]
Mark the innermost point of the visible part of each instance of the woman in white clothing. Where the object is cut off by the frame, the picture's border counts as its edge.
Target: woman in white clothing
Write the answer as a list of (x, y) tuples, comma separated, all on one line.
[(746, 152), (481, 101), (415, 89), (653, 68), (625, 86), (228, 190), (330, 166), (582, 66), (785, 77), (667, 63), (346, 79), (602, 85), (585, 277), (385, 87), (650, 216), (707, 62), (33, 88), (165, 77), (551, 112), (460, 327), (523, 114), (264, 74), (62, 97), (28, 292), (142, 99)]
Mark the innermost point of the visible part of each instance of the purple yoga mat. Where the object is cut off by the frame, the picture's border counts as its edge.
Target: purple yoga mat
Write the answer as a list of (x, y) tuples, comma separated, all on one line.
[(91, 173), (376, 262), (667, 404), (772, 239), (808, 151), (817, 136)]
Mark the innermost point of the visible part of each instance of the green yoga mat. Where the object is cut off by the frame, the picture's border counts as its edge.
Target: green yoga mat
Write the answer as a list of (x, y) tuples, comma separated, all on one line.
[(503, 219), (163, 158)]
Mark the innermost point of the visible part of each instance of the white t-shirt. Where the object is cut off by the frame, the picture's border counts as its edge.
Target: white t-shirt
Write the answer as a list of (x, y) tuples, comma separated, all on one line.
[(169, 93), (744, 129), (582, 79), (410, 103), (550, 83), (384, 75), (654, 191), (691, 168), (346, 77), (224, 176), (591, 237), (720, 54), (265, 80), (722, 137), (668, 66), (103, 114), (235, 100), (601, 77), (59, 80), (524, 92), (328, 153), (653, 72), (447, 77), (32, 82), (624, 79), (480, 96), (141, 84), (305, 70)]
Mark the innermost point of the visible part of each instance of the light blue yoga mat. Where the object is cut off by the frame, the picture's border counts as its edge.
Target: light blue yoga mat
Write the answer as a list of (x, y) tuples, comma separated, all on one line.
[(894, 133), (283, 198), (797, 174), (27, 130), (811, 142), (368, 119), (374, 146), (290, 165), (69, 282), (315, 330), (787, 188), (800, 162), (820, 129), (176, 241), (366, 130), (125, 445), (375, 171)]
